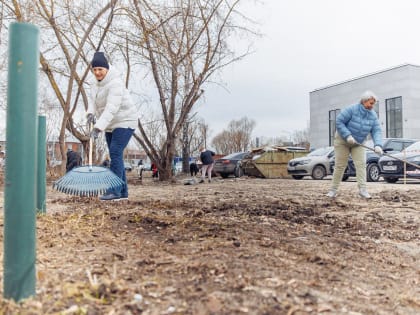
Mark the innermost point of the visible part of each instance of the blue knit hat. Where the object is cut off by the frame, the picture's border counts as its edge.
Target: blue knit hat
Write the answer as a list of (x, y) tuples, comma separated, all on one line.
[(99, 60)]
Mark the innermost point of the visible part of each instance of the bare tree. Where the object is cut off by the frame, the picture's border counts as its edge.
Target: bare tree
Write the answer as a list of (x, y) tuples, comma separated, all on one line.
[(222, 143), (301, 137), (72, 28), (193, 137), (241, 131), (236, 138), (71, 31), (200, 131), (185, 42), (182, 42)]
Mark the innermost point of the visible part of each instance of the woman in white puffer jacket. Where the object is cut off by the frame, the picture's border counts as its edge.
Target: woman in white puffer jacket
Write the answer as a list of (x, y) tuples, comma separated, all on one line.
[(112, 104)]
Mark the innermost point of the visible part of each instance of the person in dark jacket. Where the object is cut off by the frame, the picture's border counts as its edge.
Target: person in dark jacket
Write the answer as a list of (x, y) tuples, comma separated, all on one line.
[(354, 124), (193, 168), (206, 157), (73, 159), (140, 168)]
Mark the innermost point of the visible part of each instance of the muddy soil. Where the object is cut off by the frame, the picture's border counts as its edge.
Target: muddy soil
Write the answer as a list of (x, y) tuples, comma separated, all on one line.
[(233, 246)]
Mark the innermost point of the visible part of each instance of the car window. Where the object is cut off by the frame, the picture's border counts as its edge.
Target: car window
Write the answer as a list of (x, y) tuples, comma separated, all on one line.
[(320, 151), (394, 145), (414, 147), (407, 144)]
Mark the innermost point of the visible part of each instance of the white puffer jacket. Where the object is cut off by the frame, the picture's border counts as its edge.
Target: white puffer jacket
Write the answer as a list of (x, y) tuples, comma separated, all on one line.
[(111, 103)]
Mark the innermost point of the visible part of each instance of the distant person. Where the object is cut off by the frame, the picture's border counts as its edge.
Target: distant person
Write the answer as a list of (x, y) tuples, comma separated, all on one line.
[(155, 172), (140, 168), (206, 157), (74, 159), (354, 124), (193, 168)]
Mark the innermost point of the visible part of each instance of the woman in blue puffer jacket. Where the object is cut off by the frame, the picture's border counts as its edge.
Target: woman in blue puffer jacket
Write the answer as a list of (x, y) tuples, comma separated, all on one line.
[(354, 124)]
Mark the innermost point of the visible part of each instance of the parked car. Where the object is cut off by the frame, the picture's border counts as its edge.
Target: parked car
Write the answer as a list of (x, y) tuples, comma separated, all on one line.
[(392, 169), (316, 164), (228, 165), (390, 146)]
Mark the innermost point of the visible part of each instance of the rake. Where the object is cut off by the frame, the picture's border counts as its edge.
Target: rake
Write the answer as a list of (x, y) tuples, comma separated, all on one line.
[(88, 180)]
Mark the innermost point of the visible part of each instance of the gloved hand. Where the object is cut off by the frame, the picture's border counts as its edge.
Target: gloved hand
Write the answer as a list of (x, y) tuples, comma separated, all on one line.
[(91, 119), (95, 133), (350, 140), (378, 150)]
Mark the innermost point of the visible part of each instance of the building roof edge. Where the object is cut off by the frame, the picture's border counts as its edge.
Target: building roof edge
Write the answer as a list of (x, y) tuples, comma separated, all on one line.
[(365, 75)]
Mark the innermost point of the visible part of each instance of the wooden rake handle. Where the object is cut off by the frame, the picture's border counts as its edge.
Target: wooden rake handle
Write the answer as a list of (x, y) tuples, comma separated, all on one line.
[(90, 146), (391, 156)]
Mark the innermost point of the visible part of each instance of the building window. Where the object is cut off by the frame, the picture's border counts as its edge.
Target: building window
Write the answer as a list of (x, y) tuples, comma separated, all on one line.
[(332, 123), (394, 125)]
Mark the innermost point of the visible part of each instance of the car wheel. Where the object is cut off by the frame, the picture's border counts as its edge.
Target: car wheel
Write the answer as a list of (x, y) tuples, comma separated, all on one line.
[(391, 179), (318, 172), (224, 175), (297, 176), (372, 172), (238, 171)]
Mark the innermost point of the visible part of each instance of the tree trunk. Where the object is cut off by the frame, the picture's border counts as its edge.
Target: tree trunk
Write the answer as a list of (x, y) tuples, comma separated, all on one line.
[(165, 169), (166, 161), (185, 149)]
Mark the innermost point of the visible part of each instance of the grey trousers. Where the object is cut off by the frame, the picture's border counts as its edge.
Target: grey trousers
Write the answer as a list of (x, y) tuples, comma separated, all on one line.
[(342, 151)]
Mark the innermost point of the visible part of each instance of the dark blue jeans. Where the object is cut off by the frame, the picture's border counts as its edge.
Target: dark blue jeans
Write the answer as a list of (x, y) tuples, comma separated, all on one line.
[(117, 140)]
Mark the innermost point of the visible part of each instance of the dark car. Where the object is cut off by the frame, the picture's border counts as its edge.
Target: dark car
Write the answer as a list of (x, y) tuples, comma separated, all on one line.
[(392, 169), (228, 165), (390, 146)]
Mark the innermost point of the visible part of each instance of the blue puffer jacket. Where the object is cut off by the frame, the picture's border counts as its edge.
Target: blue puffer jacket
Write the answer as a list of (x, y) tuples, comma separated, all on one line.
[(358, 121)]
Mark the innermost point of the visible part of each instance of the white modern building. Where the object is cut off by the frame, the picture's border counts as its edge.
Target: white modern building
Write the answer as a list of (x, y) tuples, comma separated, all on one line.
[(398, 107)]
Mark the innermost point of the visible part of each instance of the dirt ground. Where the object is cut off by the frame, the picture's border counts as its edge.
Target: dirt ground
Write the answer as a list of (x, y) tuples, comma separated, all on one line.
[(233, 246)]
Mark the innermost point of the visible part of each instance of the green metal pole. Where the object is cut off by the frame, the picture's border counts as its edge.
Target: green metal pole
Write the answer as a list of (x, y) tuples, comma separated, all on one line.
[(41, 166), (20, 184)]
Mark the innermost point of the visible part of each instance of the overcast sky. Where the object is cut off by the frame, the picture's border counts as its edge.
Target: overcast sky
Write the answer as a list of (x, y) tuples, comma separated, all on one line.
[(310, 44)]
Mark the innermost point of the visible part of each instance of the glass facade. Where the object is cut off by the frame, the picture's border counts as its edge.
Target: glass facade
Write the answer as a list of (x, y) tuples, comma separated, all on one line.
[(394, 120)]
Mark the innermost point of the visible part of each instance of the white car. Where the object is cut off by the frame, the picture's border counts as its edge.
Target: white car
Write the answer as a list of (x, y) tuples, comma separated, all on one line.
[(316, 164)]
